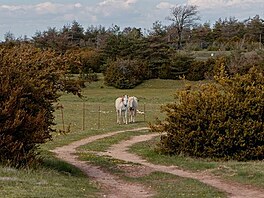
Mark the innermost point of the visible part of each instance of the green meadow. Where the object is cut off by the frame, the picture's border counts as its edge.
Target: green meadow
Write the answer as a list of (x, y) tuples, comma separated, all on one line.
[(94, 114)]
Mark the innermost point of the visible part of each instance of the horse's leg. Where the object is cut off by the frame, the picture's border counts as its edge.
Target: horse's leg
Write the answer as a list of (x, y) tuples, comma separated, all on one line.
[(125, 116), (134, 115), (129, 116), (121, 117), (117, 117)]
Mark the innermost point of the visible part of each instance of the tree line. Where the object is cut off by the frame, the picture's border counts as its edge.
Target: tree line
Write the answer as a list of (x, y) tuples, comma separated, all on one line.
[(161, 52), (183, 33)]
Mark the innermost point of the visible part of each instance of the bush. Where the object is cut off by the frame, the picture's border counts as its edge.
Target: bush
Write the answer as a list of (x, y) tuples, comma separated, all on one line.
[(180, 65), (29, 81), (84, 61), (221, 121), (197, 71), (241, 62), (125, 74)]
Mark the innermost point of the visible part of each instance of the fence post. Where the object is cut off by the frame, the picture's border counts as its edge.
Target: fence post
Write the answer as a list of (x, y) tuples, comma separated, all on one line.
[(83, 128), (144, 112), (60, 107), (62, 118), (99, 116)]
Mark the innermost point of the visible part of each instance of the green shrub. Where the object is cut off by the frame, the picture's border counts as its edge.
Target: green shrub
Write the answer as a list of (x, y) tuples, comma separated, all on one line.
[(179, 65), (84, 60), (29, 81), (125, 74), (197, 71), (222, 121)]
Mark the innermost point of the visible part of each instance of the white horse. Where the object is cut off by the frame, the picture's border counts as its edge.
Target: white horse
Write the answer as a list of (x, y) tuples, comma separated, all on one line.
[(132, 108), (121, 105)]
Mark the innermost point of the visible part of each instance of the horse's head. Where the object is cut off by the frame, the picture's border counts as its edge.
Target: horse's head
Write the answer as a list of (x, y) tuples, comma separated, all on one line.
[(133, 101), (125, 100)]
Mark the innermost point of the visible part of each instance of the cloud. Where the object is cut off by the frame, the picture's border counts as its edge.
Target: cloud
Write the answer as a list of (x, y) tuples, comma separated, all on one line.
[(164, 5), (216, 4), (118, 3), (46, 7), (212, 10), (77, 5), (114, 9), (41, 8), (9, 8)]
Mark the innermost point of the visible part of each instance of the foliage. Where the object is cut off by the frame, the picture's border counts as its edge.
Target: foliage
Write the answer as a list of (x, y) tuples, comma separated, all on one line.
[(238, 62), (242, 62), (84, 60), (223, 120), (157, 54), (179, 65), (197, 71), (125, 74), (29, 81), (126, 44)]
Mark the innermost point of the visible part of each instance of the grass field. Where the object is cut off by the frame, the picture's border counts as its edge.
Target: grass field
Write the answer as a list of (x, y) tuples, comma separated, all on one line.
[(95, 114)]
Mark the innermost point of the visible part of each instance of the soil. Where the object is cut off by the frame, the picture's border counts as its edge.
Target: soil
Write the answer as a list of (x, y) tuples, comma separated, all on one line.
[(114, 187)]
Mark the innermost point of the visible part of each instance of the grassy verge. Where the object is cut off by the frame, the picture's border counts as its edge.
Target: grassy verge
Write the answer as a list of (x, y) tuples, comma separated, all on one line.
[(171, 186), (55, 179), (251, 173)]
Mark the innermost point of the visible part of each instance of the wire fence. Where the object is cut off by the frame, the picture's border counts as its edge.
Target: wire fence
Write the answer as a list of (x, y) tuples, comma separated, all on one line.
[(85, 115)]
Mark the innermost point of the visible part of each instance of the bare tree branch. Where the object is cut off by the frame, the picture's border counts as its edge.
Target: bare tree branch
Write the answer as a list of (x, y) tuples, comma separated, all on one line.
[(183, 17)]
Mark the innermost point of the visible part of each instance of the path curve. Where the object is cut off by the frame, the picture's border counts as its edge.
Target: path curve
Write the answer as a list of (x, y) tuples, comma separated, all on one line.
[(115, 187), (112, 186), (234, 190)]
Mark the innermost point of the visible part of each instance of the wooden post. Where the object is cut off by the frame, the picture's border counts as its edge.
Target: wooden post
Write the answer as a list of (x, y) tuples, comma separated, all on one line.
[(60, 107), (99, 116), (144, 112), (62, 118), (83, 128)]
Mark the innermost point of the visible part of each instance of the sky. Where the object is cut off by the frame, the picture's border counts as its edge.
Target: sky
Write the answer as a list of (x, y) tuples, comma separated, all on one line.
[(26, 17)]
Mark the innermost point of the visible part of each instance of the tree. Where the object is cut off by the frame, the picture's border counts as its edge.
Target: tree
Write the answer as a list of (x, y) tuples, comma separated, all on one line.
[(183, 17), (52, 38), (158, 29), (201, 35), (30, 82), (124, 44), (255, 29), (9, 36), (125, 73), (76, 33)]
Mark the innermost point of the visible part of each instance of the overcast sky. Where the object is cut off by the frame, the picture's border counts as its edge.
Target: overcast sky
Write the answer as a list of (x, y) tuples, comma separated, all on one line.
[(25, 17)]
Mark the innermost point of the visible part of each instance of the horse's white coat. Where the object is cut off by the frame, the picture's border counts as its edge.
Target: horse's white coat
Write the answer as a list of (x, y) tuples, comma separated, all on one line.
[(132, 108), (121, 105)]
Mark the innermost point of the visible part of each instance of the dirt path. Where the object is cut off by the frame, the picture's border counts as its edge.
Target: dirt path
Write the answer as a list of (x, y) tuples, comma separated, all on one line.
[(234, 190), (115, 187), (112, 186)]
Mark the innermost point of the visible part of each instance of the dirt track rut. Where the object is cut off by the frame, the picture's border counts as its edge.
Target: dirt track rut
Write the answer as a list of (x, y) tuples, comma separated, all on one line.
[(116, 188)]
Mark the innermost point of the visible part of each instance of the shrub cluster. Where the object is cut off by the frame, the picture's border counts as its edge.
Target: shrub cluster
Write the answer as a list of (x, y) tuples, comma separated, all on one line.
[(125, 74), (223, 120), (29, 81)]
